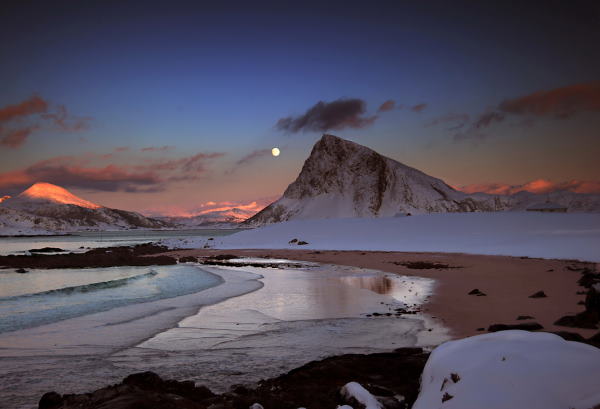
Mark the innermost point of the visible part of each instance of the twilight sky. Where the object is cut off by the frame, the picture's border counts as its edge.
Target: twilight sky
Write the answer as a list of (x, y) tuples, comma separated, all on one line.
[(174, 107)]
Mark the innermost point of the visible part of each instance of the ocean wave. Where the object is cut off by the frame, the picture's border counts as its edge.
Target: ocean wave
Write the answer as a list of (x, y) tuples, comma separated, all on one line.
[(85, 288)]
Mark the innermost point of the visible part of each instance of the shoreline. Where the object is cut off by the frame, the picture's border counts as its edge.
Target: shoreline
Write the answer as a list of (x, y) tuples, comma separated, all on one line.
[(507, 281)]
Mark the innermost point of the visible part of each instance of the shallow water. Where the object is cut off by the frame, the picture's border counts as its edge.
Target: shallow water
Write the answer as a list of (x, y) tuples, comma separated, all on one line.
[(288, 318), (47, 296)]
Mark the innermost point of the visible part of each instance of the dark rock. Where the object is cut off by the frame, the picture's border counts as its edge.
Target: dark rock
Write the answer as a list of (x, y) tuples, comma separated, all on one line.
[(21, 271), (526, 326), (524, 317), (570, 336), (481, 329), (477, 292), (188, 259), (592, 301), (139, 255), (584, 319), (422, 265), (224, 256), (210, 238), (455, 378), (144, 380), (292, 241), (47, 250), (446, 397), (314, 385), (594, 340), (588, 279), (539, 294), (50, 400), (302, 243)]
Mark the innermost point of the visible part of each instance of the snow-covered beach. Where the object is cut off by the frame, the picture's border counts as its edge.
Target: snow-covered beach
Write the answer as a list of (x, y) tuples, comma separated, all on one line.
[(520, 234)]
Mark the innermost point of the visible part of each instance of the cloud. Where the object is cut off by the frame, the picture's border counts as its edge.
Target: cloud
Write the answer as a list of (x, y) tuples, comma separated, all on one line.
[(418, 107), (452, 118), (560, 103), (33, 105), (121, 149), (157, 148), (324, 116), (488, 118), (387, 106), (252, 156), (19, 121), (248, 159), (535, 186), (90, 171), (65, 122), (15, 138)]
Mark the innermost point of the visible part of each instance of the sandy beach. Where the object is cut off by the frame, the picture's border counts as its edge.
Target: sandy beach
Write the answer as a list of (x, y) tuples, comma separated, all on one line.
[(507, 282)]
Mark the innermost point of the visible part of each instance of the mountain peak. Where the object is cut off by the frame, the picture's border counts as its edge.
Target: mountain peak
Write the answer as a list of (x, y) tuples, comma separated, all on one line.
[(55, 194), (341, 178)]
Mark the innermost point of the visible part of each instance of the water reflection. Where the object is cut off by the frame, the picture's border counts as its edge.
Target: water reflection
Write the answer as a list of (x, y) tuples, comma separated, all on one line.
[(378, 284)]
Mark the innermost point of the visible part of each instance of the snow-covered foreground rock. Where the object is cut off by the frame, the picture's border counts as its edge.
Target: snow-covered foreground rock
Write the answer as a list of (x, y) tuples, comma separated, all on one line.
[(544, 235), (510, 370)]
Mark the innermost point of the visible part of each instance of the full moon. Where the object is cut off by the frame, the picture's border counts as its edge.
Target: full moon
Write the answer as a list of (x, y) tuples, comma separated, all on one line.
[(275, 151)]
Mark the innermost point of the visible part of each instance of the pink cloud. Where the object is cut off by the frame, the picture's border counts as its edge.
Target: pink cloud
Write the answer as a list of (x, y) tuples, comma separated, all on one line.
[(19, 121), (535, 186), (91, 171)]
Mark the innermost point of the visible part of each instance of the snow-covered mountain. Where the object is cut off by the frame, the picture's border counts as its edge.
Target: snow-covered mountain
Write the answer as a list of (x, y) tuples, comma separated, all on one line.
[(46, 208), (344, 179), (218, 219)]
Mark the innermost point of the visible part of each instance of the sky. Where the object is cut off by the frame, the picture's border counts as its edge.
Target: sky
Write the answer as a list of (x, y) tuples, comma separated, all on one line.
[(173, 107)]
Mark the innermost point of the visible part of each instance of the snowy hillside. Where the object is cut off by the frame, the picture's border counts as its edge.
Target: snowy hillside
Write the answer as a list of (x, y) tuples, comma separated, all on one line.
[(45, 209), (545, 235), (218, 219), (344, 179)]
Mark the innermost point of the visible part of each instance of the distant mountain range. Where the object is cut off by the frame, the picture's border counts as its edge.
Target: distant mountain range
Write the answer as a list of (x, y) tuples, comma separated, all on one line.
[(339, 179), (344, 179), (46, 208)]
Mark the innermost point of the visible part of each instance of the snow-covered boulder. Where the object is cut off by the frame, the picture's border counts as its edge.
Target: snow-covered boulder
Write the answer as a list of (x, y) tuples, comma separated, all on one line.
[(356, 395), (510, 370)]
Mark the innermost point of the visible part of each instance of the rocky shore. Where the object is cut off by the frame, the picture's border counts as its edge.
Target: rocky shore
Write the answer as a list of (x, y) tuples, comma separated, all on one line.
[(392, 377), (139, 255)]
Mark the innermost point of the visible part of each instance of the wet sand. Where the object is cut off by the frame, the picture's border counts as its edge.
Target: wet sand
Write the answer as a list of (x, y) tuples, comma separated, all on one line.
[(507, 281)]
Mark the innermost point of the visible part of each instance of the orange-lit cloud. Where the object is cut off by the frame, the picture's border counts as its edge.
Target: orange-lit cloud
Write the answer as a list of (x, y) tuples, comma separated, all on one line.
[(535, 186), (90, 171), (16, 137), (157, 148), (559, 102), (33, 105), (387, 106), (418, 107), (18, 121)]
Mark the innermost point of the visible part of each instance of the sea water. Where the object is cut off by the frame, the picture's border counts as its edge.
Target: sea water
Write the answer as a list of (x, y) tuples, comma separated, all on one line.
[(46, 296), (82, 241)]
